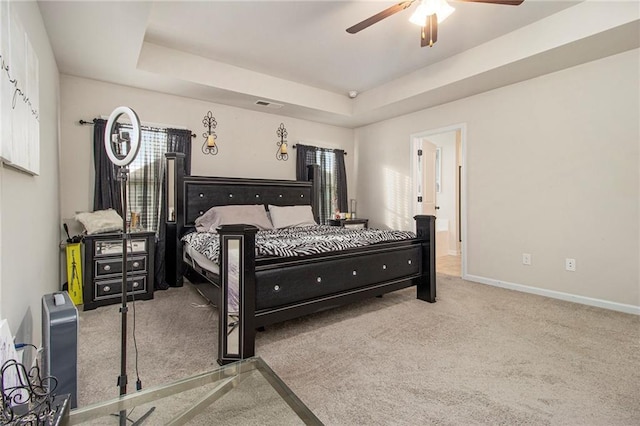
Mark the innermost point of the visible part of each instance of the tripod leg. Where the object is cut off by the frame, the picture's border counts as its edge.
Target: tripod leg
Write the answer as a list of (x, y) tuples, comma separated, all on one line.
[(142, 419)]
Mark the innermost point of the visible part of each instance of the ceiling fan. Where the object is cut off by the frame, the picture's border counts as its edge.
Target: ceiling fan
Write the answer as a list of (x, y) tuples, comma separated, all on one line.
[(428, 15)]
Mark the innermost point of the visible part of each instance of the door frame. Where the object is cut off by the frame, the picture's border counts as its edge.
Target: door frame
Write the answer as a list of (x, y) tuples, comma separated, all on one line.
[(414, 138)]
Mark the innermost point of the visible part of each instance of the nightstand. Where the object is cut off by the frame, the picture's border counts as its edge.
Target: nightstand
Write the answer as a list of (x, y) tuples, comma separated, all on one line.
[(350, 223), (103, 268)]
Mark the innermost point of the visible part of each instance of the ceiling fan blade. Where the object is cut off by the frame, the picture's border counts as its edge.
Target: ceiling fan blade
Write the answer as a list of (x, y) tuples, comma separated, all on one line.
[(504, 2), (379, 16), (429, 33)]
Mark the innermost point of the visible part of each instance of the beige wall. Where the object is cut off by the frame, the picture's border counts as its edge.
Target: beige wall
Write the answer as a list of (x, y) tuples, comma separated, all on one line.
[(246, 139), (29, 217), (552, 168)]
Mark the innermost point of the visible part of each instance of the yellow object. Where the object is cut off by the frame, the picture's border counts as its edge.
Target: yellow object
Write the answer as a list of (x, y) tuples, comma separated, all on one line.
[(74, 272)]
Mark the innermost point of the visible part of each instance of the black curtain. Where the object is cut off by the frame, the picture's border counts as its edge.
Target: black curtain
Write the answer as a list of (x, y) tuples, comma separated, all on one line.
[(333, 177), (106, 193), (178, 140), (341, 180), (305, 155)]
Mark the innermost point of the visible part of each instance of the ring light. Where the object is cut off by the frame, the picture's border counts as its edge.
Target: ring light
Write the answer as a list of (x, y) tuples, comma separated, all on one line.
[(123, 159), (115, 158)]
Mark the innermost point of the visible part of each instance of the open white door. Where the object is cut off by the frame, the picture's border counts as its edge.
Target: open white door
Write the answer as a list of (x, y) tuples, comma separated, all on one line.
[(425, 154), (426, 199)]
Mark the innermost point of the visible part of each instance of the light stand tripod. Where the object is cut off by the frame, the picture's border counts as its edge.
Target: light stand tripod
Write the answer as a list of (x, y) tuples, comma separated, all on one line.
[(122, 155)]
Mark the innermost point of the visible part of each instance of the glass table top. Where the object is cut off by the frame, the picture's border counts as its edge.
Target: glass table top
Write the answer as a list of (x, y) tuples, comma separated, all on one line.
[(246, 392)]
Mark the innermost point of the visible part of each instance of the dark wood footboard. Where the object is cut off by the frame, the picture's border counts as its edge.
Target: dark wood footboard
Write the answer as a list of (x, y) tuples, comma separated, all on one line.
[(272, 292)]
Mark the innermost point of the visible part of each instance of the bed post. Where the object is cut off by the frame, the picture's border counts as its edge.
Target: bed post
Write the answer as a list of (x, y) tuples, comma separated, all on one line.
[(313, 175), (237, 304), (426, 231), (174, 224)]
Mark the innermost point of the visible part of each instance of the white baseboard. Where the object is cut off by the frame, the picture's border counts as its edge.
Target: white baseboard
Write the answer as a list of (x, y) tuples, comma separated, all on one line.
[(614, 306)]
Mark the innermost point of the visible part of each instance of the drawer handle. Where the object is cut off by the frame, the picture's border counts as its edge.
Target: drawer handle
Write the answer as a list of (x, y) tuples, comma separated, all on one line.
[(276, 288), (107, 267), (354, 273), (384, 266), (319, 279), (409, 261), (106, 288), (136, 264), (136, 284)]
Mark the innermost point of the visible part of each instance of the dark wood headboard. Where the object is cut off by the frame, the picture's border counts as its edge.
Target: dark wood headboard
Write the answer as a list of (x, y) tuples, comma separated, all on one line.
[(202, 193), (192, 196)]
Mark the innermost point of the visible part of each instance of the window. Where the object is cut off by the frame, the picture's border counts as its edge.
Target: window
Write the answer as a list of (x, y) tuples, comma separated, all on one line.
[(144, 185), (329, 183), (333, 182)]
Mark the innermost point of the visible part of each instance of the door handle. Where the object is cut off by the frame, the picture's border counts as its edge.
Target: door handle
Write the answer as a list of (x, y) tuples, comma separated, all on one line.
[(437, 207)]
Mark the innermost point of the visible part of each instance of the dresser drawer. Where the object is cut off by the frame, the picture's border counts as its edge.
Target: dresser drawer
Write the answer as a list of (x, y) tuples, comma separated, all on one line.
[(110, 288), (350, 223), (357, 225), (113, 265), (114, 247)]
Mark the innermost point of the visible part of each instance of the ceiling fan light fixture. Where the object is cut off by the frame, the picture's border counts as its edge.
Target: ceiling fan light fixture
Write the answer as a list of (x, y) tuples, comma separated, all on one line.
[(441, 8)]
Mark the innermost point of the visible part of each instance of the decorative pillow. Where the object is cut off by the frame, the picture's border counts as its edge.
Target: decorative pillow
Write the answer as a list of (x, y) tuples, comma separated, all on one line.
[(227, 215), (289, 216), (100, 221)]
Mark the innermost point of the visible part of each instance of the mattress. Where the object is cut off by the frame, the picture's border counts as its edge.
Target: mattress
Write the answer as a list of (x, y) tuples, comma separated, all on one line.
[(191, 255)]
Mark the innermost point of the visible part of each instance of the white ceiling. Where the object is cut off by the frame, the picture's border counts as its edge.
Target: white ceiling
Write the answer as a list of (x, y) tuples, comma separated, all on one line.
[(298, 54)]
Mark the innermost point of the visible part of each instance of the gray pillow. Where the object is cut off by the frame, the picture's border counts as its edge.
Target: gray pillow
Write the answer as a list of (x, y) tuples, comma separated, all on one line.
[(254, 215), (289, 216)]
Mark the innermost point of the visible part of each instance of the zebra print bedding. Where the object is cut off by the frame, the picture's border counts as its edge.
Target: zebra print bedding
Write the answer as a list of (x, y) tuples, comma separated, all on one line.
[(299, 241)]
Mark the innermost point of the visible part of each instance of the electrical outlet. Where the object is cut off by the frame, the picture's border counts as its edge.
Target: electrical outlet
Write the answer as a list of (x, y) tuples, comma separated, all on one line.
[(570, 264), (526, 258)]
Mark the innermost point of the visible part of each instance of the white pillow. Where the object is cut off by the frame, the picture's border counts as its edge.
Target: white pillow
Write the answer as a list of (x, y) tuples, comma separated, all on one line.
[(289, 216), (254, 215), (100, 221)]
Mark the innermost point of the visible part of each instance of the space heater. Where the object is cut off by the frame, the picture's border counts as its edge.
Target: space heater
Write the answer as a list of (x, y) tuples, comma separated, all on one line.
[(60, 343)]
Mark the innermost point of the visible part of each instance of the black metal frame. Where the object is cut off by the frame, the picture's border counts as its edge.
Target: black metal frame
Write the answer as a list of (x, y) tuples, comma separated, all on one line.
[(346, 276)]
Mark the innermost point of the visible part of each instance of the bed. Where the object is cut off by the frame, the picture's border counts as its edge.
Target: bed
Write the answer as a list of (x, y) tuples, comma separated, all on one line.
[(253, 291)]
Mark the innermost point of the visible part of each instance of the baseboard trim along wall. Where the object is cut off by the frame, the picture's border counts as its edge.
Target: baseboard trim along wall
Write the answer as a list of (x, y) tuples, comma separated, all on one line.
[(620, 307)]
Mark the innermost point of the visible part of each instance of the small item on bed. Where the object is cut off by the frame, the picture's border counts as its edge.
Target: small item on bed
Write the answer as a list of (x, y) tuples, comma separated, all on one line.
[(100, 221), (290, 216), (253, 214)]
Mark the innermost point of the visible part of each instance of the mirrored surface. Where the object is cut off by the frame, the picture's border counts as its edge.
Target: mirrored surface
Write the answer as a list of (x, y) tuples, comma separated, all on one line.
[(232, 296), (171, 191)]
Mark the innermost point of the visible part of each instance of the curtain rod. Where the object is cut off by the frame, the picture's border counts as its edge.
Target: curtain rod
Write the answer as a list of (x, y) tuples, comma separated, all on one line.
[(320, 148), (92, 122)]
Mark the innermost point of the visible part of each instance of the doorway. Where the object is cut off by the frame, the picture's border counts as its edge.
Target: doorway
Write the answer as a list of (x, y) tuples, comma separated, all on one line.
[(439, 188)]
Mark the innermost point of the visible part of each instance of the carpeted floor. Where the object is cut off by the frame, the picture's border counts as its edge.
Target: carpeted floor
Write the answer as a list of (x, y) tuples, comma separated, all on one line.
[(480, 355)]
